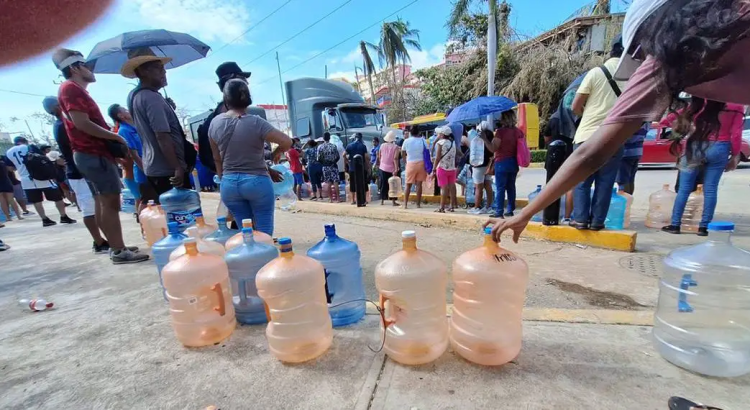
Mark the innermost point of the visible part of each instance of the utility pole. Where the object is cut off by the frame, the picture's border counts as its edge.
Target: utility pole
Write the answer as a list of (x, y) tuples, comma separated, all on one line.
[(281, 83), (326, 66)]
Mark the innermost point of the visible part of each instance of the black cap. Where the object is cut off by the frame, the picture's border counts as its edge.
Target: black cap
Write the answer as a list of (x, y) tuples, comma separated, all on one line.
[(229, 68), (617, 42)]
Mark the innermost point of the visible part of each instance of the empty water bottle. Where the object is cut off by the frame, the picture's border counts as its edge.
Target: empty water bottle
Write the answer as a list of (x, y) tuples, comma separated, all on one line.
[(165, 247), (660, 205), (203, 228), (128, 202), (153, 223), (181, 206), (239, 239), (691, 219), (345, 289), (702, 320), (244, 262), (203, 246), (373, 191), (616, 214), (222, 234), (394, 187), (532, 196), (36, 305)]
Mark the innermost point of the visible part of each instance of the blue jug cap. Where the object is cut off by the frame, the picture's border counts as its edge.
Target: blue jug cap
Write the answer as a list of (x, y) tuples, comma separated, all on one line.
[(247, 230), (721, 226), (538, 187), (221, 219), (285, 241), (330, 229), (487, 230), (199, 214)]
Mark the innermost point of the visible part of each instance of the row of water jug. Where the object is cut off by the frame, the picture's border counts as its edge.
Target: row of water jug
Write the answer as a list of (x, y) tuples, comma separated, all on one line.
[(618, 215), (660, 207)]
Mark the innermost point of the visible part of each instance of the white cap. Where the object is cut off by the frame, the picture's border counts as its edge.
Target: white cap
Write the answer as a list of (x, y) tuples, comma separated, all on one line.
[(445, 130), (638, 12), (408, 234), (485, 125)]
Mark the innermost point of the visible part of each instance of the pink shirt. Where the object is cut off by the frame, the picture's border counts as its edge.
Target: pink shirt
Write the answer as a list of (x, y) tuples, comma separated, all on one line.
[(731, 119), (387, 154)]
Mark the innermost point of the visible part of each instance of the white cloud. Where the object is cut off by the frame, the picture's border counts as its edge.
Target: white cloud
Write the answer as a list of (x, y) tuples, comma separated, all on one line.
[(349, 75), (208, 20), (427, 58), (354, 57)]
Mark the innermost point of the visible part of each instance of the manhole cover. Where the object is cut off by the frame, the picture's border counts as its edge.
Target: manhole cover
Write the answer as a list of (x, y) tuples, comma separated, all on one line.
[(647, 265)]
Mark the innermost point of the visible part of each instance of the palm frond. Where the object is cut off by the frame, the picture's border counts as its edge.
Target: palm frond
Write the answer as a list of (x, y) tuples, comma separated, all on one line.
[(460, 9), (367, 64)]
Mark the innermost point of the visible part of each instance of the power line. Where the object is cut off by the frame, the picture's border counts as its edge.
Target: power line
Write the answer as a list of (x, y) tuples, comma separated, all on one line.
[(300, 32), (338, 44), (251, 28), (22, 93)]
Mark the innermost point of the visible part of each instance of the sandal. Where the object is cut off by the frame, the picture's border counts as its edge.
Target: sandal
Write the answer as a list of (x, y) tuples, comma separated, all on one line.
[(440, 211), (678, 403), (451, 210)]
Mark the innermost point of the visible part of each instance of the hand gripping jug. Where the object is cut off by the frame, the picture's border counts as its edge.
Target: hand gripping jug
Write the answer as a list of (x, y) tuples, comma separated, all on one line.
[(244, 262), (203, 228), (660, 205), (702, 320), (203, 246), (691, 219), (222, 234), (153, 223), (345, 289), (162, 249), (239, 238), (394, 187), (293, 289), (182, 206), (488, 296), (616, 214), (412, 284), (200, 300)]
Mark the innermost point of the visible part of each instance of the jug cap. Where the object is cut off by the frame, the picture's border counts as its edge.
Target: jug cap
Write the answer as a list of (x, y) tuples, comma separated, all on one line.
[(285, 241), (487, 230), (330, 229), (199, 214), (151, 202), (221, 219), (192, 232), (721, 226), (408, 234), (247, 222)]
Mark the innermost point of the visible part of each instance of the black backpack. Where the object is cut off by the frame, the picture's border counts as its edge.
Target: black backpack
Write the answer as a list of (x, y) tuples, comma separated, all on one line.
[(39, 166)]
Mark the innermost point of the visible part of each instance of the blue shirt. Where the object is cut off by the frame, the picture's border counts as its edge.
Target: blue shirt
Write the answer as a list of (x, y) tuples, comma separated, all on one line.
[(130, 135), (634, 144), (355, 148), (374, 154)]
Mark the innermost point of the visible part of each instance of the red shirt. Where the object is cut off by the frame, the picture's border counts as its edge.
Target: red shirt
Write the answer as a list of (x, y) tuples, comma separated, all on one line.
[(72, 97), (294, 163), (508, 142)]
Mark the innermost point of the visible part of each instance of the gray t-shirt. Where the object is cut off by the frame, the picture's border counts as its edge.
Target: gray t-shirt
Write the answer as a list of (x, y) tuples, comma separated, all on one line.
[(240, 141), (152, 114)]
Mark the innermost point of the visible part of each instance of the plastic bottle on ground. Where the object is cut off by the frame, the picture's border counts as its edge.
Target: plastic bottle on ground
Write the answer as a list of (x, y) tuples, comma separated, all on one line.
[(702, 320), (660, 205), (628, 205), (373, 193), (153, 223), (181, 206), (239, 239), (691, 218), (293, 289), (324, 193), (532, 196), (203, 246), (222, 233), (164, 248), (36, 305), (488, 298), (616, 214), (128, 202), (394, 187), (412, 285)]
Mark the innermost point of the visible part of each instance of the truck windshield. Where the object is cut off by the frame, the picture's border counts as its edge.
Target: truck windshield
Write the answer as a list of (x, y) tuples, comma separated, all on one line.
[(360, 118)]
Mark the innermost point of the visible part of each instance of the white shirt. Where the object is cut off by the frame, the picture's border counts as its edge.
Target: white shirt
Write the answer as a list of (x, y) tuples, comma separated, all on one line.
[(16, 155), (414, 147)]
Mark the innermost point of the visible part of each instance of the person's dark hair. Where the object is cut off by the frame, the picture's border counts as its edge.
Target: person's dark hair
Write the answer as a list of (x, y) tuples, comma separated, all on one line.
[(376, 139), (67, 73), (488, 134), (237, 94), (507, 119), (358, 136), (113, 111), (617, 48), (687, 38), (326, 136), (701, 117), (312, 143)]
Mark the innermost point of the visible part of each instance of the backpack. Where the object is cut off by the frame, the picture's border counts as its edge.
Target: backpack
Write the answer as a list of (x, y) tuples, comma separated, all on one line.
[(523, 153), (39, 166), (204, 145)]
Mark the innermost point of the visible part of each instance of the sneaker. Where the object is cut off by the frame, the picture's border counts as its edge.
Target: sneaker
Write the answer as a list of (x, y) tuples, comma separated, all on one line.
[(66, 220), (596, 228), (48, 222), (126, 256), (675, 230), (3, 246), (565, 221), (486, 210), (702, 231), (475, 211), (103, 248)]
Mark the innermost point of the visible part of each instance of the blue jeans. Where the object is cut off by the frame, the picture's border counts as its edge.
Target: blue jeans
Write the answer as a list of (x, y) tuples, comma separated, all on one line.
[(250, 197), (315, 172), (590, 211), (505, 181), (715, 159)]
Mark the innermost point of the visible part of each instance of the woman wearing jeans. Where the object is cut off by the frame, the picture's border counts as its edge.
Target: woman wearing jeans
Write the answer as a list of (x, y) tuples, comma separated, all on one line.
[(713, 155), (314, 169), (504, 145), (237, 140)]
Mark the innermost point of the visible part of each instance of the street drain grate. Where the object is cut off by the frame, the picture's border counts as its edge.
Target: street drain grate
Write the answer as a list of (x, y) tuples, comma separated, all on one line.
[(647, 265)]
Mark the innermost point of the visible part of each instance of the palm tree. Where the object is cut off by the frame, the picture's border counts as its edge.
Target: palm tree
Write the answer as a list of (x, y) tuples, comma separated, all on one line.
[(395, 39), (368, 65)]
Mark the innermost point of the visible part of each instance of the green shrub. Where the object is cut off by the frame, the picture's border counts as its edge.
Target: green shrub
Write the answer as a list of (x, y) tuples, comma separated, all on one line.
[(538, 155)]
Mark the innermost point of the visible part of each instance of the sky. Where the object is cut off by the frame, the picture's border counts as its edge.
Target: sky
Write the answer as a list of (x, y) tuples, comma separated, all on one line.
[(243, 31)]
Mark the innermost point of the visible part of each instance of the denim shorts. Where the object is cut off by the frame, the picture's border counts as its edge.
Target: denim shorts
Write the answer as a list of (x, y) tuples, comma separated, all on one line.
[(100, 172)]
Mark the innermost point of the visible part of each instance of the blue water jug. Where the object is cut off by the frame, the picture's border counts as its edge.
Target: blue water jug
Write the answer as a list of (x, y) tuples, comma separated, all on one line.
[(164, 247), (702, 320), (616, 214), (12, 215), (128, 202), (532, 196), (182, 206), (344, 282), (374, 196), (244, 262), (284, 186), (222, 233)]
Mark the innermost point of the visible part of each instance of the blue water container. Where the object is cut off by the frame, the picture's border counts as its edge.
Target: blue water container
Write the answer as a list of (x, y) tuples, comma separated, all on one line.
[(182, 206), (163, 248), (12, 215), (532, 196), (244, 262), (285, 185), (344, 278), (128, 202), (222, 233), (374, 192), (616, 214)]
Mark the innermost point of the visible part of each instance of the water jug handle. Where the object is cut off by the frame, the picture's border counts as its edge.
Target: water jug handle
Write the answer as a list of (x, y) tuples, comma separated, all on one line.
[(220, 295), (386, 321)]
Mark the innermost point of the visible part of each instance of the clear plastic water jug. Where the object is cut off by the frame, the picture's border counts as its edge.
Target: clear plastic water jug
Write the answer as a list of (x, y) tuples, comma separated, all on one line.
[(165, 246), (345, 288), (239, 239), (222, 234), (660, 205), (691, 219), (394, 187), (286, 184), (373, 191), (412, 285), (203, 246), (153, 223), (203, 228), (182, 206), (628, 204), (532, 196), (128, 202), (488, 297), (244, 262), (326, 186), (200, 299), (702, 320), (616, 214), (293, 289)]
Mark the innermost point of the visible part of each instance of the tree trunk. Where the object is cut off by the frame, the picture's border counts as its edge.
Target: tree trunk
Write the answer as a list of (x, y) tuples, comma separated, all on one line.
[(372, 89)]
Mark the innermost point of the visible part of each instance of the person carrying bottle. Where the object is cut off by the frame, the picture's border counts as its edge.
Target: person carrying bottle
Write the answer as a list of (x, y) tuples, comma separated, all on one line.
[(238, 140), (445, 168), (295, 165), (388, 164), (328, 157), (314, 169), (480, 163), (134, 177), (504, 145)]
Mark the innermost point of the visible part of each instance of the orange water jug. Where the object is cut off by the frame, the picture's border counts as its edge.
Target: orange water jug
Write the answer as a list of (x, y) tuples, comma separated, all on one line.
[(412, 285), (293, 288), (488, 296), (153, 223), (325, 187), (203, 227), (660, 205), (628, 204), (203, 246), (691, 218), (199, 296), (394, 186), (258, 236)]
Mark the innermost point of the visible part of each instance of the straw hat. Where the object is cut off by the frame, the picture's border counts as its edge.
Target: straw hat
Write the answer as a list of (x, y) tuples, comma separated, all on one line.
[(138, 57), (390, 136)]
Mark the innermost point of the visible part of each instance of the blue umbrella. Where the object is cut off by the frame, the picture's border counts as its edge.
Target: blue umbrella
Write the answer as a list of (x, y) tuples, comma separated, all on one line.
[(108, 56), (480, 107)]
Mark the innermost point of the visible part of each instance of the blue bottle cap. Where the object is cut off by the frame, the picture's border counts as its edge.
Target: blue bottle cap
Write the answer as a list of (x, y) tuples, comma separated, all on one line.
[(247, 230), (285, 241), (199, 214), (538, 187), (487, 230), (721, 226), (221, 219), (330, 229)]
